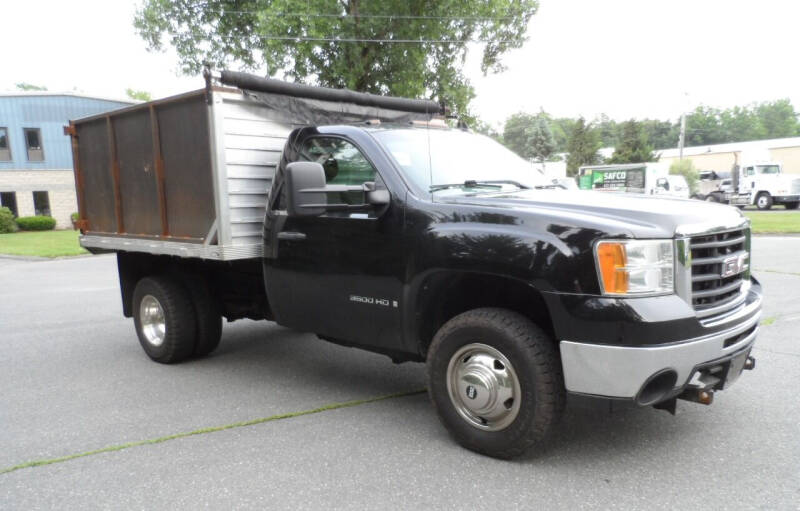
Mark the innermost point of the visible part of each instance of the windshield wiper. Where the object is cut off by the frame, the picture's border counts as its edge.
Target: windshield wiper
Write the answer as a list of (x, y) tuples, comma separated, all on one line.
[(471, 183)]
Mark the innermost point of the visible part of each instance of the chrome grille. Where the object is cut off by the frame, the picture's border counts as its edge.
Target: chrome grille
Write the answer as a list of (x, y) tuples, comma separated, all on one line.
[(712, 293)]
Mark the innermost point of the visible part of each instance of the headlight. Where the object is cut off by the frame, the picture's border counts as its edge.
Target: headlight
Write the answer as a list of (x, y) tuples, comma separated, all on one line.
[(635, 267)]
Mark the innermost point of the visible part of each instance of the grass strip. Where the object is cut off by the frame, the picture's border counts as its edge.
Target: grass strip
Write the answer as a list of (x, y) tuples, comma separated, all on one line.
[(213, 429), (774, 222), (41, 244)]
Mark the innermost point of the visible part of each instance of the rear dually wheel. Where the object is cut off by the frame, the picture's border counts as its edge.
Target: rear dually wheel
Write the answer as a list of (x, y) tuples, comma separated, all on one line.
[(164, 318)]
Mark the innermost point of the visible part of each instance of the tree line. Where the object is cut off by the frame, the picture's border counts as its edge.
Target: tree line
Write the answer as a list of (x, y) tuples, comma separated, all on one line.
[(541, 137)]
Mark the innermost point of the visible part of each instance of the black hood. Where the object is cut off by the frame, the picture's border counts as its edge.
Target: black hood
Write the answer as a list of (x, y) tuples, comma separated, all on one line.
[(638, 216)]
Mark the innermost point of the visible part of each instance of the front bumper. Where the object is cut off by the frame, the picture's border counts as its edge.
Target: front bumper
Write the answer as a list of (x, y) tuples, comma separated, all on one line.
[(622, 372)]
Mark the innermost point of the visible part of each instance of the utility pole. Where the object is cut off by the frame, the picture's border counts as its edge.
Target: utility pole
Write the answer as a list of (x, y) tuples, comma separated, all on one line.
[(682, 137)]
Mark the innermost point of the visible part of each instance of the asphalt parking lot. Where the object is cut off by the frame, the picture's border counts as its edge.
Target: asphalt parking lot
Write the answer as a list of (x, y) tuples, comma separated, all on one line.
[(74, 379)]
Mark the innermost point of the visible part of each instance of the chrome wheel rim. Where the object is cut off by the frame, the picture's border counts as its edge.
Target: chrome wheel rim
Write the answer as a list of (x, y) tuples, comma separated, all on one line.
[(762, 201), (483, 387), (151, 316)]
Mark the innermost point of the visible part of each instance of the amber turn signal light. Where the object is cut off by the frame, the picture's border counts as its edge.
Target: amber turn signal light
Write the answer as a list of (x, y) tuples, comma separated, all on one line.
[(611, 260)]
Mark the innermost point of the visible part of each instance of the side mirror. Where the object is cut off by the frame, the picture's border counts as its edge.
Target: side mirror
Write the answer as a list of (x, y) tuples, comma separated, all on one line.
[(375, 197), (302, 176)]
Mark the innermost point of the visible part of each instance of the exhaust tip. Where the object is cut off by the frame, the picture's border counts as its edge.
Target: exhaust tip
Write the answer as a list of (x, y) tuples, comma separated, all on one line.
[(657, 387)]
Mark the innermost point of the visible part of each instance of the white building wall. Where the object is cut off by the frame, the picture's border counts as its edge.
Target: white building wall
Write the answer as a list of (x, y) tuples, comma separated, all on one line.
[(59, 185)]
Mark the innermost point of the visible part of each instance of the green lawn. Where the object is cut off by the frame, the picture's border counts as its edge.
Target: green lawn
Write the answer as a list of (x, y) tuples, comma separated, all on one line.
[(41, 243), (765, 222)]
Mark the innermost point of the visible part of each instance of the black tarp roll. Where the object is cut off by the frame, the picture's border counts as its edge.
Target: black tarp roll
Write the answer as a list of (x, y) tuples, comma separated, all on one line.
[(257, 83)]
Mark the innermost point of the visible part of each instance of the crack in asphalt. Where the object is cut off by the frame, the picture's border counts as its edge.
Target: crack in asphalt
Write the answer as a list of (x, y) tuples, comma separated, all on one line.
[(793, 273), (212, 429)]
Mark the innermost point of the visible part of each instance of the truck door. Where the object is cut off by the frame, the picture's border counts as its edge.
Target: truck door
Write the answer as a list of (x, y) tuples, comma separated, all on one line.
[(747, 180), (339, 274)]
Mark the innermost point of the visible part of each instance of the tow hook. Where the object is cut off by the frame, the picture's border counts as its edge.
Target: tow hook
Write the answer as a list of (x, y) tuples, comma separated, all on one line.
[(750, 364), (702, 396), (701, 389)]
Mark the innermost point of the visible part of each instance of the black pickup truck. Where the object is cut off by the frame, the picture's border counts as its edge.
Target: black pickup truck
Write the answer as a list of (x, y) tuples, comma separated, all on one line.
[(426, 243)]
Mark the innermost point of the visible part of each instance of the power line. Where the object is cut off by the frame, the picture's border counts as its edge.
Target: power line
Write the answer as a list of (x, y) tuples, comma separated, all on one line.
[(360, 16), (360, 40)]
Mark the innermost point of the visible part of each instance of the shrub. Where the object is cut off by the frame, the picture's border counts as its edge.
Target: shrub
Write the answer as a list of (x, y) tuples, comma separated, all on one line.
[(686, 169), (74, 217), (7, 223), (36, 223)]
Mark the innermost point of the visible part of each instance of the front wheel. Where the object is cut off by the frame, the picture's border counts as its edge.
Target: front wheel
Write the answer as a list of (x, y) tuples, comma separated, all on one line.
[(764, 201), (495, 380)]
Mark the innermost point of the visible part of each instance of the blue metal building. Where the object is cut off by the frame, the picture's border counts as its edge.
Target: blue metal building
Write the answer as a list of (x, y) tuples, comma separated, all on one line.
[(35, 155)]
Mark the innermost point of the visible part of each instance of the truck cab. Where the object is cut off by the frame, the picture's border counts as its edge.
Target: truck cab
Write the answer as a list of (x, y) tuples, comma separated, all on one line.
[(446, 242), (765, 185)]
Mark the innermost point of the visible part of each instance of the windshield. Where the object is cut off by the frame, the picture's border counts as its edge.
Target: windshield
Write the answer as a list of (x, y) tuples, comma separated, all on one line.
[(768, 169), (456, 157)]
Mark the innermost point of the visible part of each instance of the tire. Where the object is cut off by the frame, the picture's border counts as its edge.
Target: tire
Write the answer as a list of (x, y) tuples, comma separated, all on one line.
[(473, 343), (168, 298), (792, 205), (711, 198), (764, 201), (208, 314)]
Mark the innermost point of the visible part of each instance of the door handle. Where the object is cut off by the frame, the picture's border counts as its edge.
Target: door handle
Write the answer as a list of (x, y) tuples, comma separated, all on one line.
[(292, 236)]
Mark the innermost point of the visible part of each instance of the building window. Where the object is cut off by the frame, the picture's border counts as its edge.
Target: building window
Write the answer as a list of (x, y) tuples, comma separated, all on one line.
[(9, 200), (5, 146), (41, 203), (33, 141)]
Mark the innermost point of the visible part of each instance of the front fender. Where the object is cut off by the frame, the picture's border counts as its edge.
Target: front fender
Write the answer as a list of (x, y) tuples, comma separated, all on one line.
[(555, 260)]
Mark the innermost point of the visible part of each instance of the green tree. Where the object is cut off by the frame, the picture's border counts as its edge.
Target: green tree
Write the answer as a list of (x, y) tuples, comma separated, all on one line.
[(515, 133), (138, 95), (704, 127), (484, 128), (30, 87), (662, 134), (584, 142), (540, 140), (686, 169), (562, 128), (778, 118), (608, 130), (741, 123), (408, 48), (633, 147)]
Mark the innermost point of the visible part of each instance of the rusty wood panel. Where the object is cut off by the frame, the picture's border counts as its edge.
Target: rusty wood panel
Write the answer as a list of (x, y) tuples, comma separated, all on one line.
[(133, 138), (159, 164), (95, 180), (114, 169), (76, 169), (188, 181)]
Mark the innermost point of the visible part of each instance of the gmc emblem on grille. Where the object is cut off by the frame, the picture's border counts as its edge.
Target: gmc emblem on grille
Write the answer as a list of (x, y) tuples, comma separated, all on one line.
[(733, 265)]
